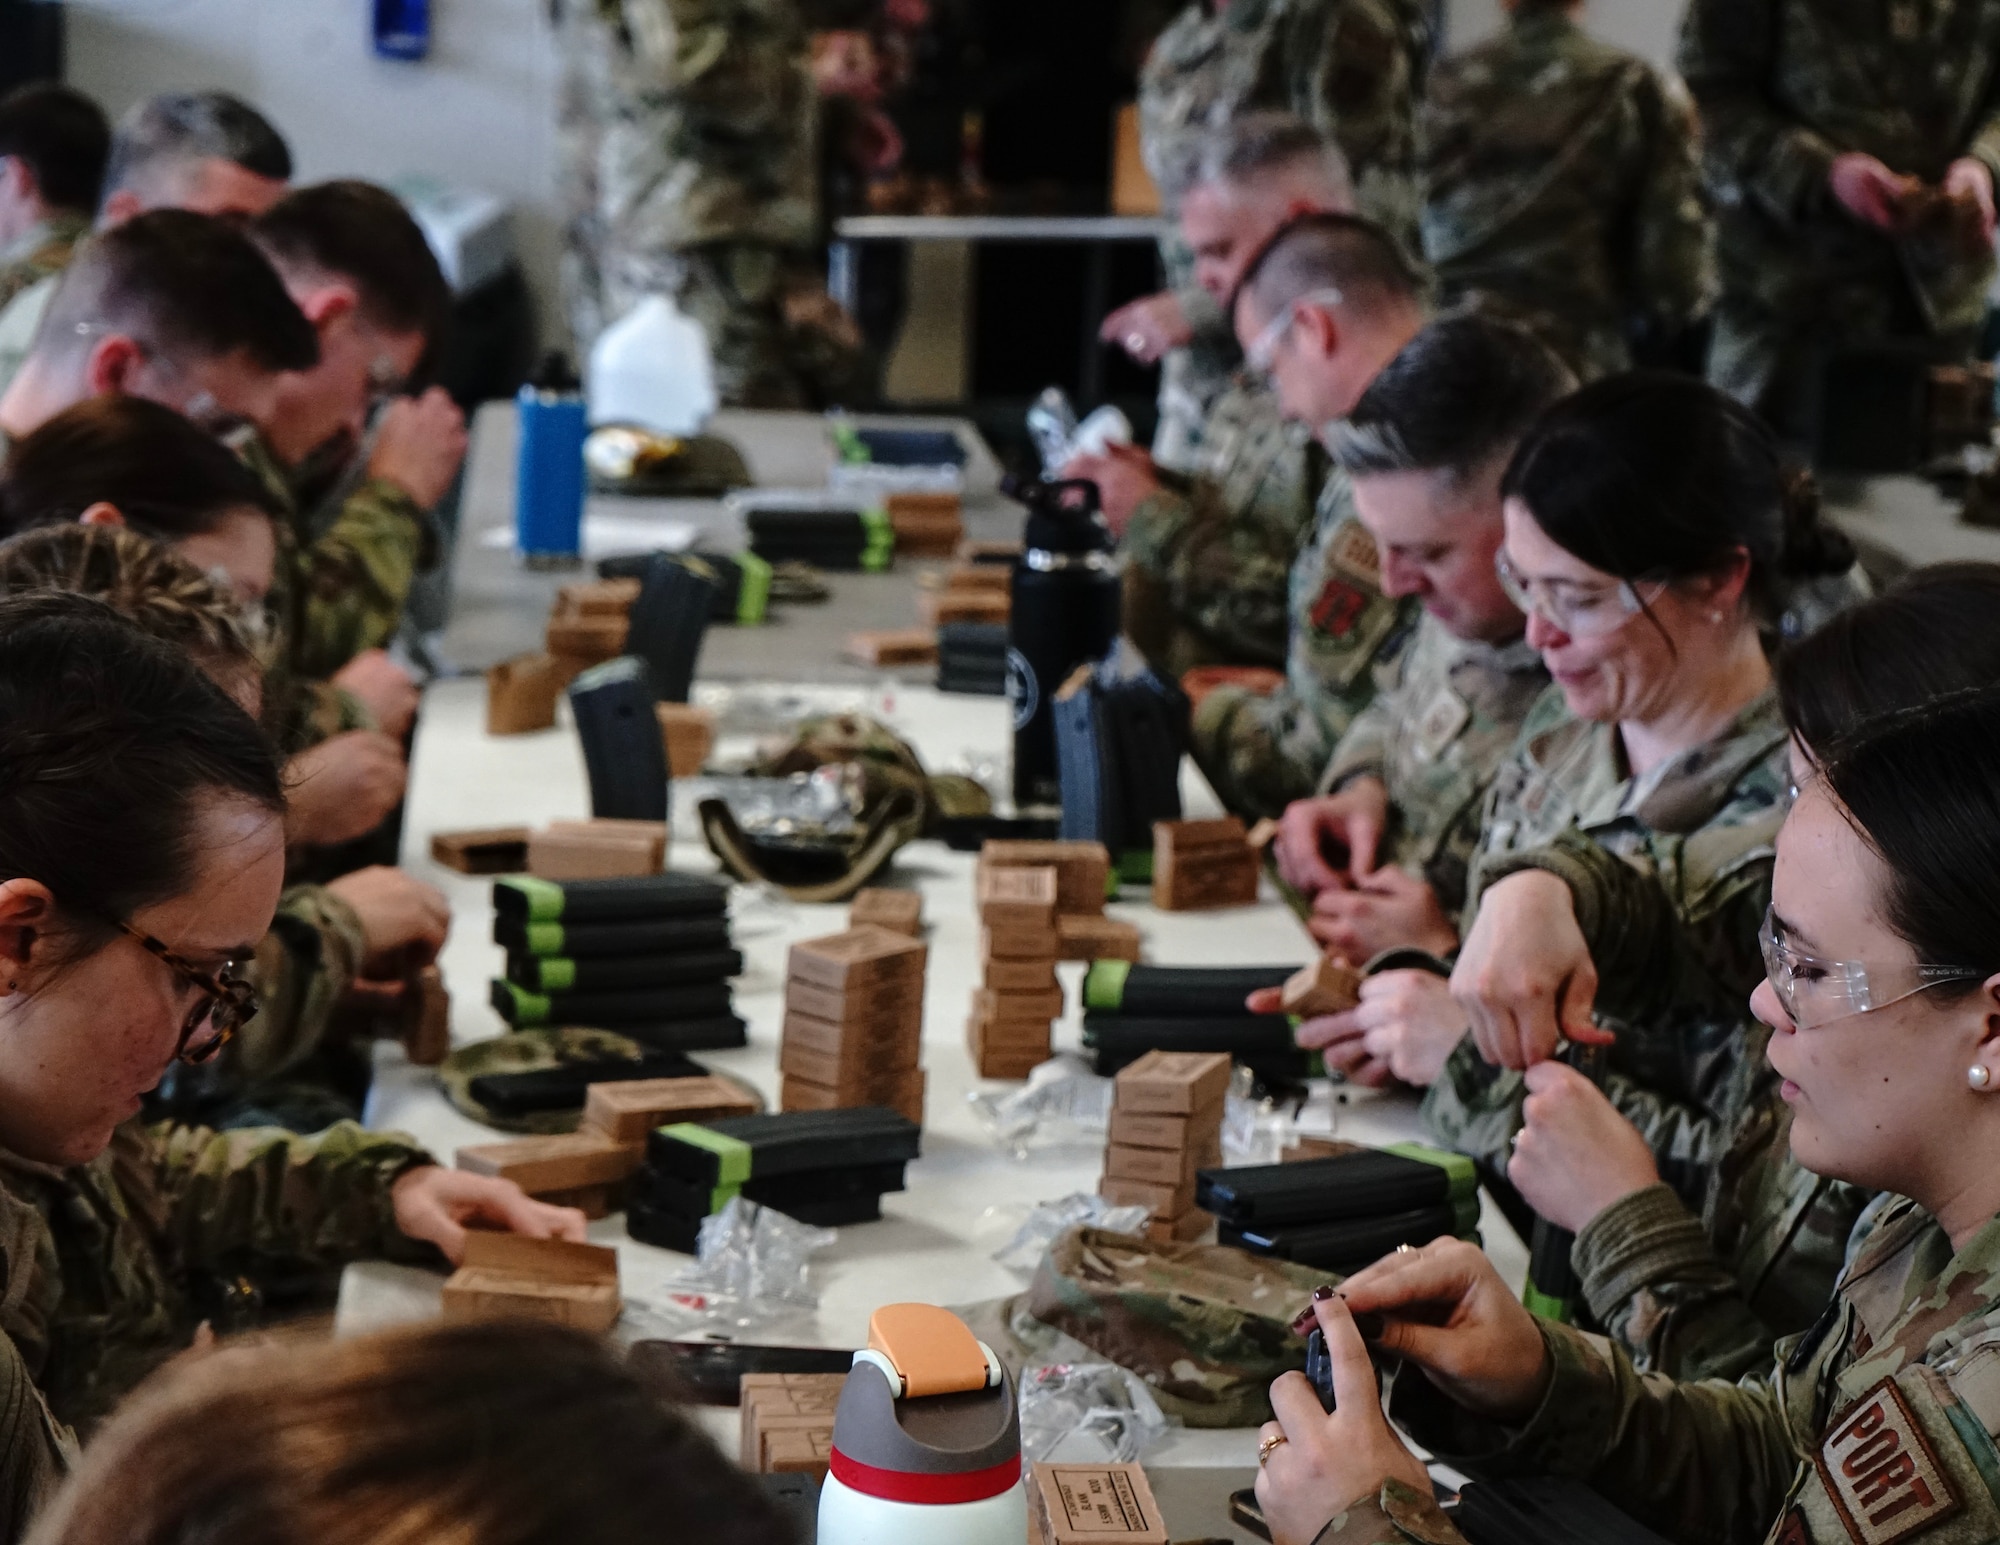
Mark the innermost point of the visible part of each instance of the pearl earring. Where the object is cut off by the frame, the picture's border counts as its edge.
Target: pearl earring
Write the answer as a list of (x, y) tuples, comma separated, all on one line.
[(1715, 616), (1979, 1075)]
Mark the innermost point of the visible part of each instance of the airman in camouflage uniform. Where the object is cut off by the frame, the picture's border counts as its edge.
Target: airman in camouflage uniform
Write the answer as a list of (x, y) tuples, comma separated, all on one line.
[(41, 252), (1786, 86), (690, 131), (1877, 1426), (1562, 189), (1206, 556), (1352, 68), (1671, 875), (1261, 753), (103, 1260), (1446, 713)]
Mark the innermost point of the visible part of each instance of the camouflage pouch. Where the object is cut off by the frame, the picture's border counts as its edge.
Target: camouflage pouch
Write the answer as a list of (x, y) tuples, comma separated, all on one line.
[(1207, 1328), (890, 801)]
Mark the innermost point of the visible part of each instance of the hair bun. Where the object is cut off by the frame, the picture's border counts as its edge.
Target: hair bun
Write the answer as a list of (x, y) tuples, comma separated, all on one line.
[(1813, 544)]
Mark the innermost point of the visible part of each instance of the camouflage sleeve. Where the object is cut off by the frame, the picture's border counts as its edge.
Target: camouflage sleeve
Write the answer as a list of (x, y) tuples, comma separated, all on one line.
[(1656, 1285), (1673, 239), (304, 964), (352, 579), (1688, 1136), (1363, 752), (35, 1452), (1727, 53), (1217, 568), (1261, 753), (262, 1194), (1707, 1460), (1358, 75)]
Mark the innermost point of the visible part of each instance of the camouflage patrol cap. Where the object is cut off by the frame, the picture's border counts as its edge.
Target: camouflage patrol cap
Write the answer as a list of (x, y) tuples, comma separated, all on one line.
[(525, 1052), (1207, 1327)]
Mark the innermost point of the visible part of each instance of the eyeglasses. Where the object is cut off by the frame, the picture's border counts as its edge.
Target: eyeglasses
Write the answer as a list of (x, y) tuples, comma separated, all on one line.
[(1821, 992), (226, 1003), (1265, 344), (1582, 611)]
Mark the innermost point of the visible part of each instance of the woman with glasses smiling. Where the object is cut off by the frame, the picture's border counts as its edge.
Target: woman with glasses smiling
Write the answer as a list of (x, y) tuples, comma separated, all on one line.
[(1877, 1425), (142, 852), (1652, 535)]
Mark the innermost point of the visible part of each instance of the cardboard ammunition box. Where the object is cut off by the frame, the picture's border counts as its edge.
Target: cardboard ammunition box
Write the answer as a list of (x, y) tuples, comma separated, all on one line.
[(1018, 944), (1131, 1129), (1015, 1035), (426, 1018), (1161, 1201), (688, 734), (597, 598), (940, 607), (777, 1411), (590, 639), (1173, 1083), (1327, 986), (597, 850), (1083, 869), (897, 1042), (625, 1112), (1018, 898), (540, 1165), (1031, 1007), (1013, 976), (1189, 1226), (488, 850), (512, 1276), (795, 1094), (896, 910), (853, 1080), (1096, 938), (1161, 1166), (521, 695), (1200, 865), (1094, 1505), (885, 1007), (893, 646), (860, 957)]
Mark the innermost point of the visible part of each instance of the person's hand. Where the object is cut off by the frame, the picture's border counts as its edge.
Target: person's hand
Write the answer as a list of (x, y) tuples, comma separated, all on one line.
[(386, 690), (438, 1205), (1125, 477), (1148, 327), (399, 915), (1445, 1308), (1328, 1461), (1340, 1039), (1404, 1027), (1969, 181), (342, 788), (1868, 190), (1385, 910), (1576, 1155), (1525, 977), (1330, 840), (419, 444)]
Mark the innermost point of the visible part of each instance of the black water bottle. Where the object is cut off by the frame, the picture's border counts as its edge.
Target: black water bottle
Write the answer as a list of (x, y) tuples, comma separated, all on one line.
[(1065, 614)]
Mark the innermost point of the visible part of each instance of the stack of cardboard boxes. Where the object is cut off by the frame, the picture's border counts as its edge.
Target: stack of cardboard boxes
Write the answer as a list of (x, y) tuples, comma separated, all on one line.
[(1008, 1034), (1083, 877), (854, 1023), (1166, 1125)]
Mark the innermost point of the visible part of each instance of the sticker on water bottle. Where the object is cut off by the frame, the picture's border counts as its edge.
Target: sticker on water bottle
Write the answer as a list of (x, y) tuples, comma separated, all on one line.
[(1023, 691)]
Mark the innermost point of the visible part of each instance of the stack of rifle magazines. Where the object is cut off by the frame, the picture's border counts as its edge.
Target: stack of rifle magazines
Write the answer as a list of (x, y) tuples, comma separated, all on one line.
[(826, 538), (648, 957), (1544, 1510), (826, 1167), (1129, 1010), (1341, 1213), (742, 580), (1120, 732), (972, 658)]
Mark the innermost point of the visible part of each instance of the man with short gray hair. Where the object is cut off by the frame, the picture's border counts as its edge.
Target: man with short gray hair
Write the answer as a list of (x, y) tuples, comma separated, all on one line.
[(1206, 554), (202, 151)]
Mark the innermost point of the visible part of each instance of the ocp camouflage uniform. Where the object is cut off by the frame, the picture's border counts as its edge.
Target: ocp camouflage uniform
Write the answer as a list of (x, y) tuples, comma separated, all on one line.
[(1354, 69), (1261, 753), (1670, 875), (690, 139), (40, 252), (1875, 1427), (1206, 557), (1784, 87), (341, 581), (1447, 712), (104, 1261), (1562, 190)]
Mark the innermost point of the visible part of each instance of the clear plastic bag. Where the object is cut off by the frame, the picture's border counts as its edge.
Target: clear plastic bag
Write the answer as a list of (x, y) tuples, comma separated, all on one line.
[(826, 801), (1254, 1131), (752, 1266), (1087, 1413), (1062, 1102), (1024, 1252)]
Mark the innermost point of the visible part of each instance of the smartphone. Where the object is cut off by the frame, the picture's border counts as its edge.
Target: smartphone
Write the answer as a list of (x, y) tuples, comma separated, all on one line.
[(711, 1372)]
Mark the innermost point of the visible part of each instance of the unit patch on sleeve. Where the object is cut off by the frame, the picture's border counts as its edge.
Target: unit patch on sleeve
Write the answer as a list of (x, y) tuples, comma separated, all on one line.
[(1882, 1473)]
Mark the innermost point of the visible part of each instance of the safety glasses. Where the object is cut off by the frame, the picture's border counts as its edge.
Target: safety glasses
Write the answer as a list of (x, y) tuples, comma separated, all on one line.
[(1581, 611), (1265, 344), (1817, 992)]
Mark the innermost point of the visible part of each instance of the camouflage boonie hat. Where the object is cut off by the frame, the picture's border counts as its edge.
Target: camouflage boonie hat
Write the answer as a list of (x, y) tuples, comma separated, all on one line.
[(1208, 1328), (899, 802), (525, 1052)]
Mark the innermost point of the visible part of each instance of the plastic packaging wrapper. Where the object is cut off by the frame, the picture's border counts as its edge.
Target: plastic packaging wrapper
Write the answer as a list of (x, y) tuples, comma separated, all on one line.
[(753, 1267), (1087, 1413), (1024, 1252), (1058, 437), (1254, 1131), (824, 802), (1062, 1102)]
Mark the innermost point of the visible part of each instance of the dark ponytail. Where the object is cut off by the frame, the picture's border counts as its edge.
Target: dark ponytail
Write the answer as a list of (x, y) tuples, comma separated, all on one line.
[(108, 740), (1917, 784), (1657, 476)]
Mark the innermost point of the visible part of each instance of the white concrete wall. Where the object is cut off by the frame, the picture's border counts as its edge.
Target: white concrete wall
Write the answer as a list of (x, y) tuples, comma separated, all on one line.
[(481, 110)]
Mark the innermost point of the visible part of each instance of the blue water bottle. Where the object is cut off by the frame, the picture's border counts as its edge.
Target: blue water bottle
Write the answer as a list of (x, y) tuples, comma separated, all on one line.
[(548, 493), (403, 28)]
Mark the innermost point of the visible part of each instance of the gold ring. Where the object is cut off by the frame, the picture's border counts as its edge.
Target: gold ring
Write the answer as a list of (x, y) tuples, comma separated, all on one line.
[(1269, 1447)]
